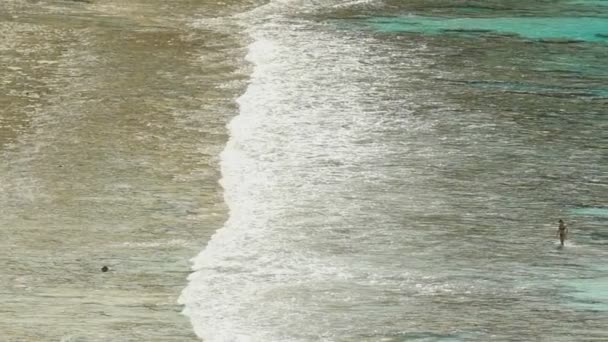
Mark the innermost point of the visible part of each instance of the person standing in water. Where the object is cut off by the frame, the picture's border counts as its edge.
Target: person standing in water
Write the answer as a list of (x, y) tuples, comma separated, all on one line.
[(562, 231)]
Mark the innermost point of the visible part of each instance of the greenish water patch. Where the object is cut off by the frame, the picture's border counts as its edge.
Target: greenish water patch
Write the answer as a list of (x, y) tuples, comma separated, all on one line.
[(602, 212), (590, 294), (551, 28), (590, 2)]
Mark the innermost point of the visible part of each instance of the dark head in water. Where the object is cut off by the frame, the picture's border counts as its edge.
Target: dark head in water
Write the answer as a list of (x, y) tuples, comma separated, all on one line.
[(105, 269)]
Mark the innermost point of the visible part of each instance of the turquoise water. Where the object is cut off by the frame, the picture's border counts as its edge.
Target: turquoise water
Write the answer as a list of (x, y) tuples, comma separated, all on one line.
[(590, 2), (600, 212), (575, 28), (591, 294)]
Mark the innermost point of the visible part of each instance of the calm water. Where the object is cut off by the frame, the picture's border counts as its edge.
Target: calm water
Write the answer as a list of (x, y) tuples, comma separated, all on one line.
[(397, 170)]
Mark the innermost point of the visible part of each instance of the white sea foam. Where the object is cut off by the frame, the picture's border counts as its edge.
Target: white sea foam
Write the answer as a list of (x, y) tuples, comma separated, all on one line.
[(294, 155), (345, 201)]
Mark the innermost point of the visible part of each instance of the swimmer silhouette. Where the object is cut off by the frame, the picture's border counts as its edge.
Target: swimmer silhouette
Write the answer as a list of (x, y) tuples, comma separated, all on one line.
[(562, 231)]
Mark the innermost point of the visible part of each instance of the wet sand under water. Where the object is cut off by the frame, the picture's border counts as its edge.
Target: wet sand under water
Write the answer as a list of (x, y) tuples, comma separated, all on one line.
[(113, 117)]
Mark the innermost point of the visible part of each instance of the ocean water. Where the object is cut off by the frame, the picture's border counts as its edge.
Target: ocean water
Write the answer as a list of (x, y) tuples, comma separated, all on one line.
[(396, 171), (339, 170), (112, 116)]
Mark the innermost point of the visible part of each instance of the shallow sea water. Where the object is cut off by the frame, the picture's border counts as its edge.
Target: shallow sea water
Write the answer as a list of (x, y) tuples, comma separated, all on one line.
[(397, 170), (389, 171), (113, 116)]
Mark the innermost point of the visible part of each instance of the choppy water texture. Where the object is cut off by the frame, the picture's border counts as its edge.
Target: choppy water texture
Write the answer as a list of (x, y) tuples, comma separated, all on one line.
[(113, 114), (394, 172), (394, 175)]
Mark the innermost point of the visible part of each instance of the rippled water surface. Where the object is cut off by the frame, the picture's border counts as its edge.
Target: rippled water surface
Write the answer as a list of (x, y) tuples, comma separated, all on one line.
[(369, 170), (113, 115), (397, 171)]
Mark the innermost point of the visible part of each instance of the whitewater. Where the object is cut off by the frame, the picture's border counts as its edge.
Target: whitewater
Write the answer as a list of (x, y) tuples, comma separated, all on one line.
[(391, 186)]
